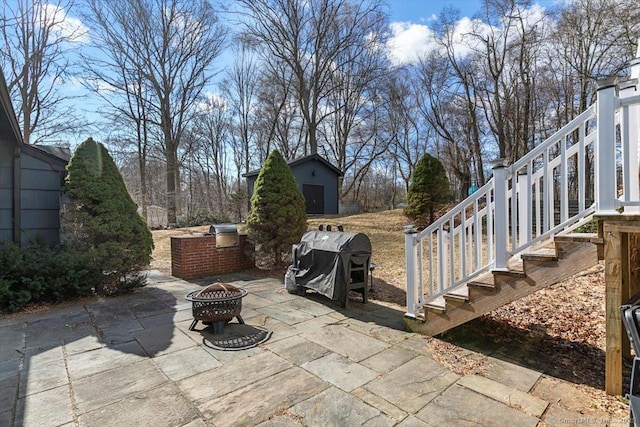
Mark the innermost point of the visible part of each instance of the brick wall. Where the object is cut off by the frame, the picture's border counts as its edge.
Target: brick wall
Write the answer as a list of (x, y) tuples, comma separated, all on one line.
[(195, 256)]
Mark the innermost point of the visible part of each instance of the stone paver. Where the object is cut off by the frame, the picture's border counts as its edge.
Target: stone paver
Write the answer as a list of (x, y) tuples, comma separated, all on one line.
[(48, 408), (160, 407), (107, 387), (285, 312), (11, 341), (297, 349), (510, 396), (186, 363), (459, 405), (202, 387), (9, 387), (119, 331), (334, 407), (388, 359), (414, 384), (91, 362), (40, 377), (511, 374), (254, 403), (163, 340), (132, 361), (346, 342), (340, 371), (381, 404)]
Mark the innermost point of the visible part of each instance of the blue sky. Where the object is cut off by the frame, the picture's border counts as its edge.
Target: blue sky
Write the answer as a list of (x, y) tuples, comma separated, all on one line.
[(420, 11)]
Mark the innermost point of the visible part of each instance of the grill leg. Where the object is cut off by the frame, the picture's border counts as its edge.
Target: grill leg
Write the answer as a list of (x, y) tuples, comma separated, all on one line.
[(240, 319), (193, 325)]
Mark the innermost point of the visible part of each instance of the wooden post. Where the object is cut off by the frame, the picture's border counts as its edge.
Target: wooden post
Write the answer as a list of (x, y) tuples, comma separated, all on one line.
[(622, 263), (613, 296)]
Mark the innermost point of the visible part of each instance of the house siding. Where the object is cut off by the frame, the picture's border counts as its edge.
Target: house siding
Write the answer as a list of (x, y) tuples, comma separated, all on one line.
[(40, 200), (6, 190)]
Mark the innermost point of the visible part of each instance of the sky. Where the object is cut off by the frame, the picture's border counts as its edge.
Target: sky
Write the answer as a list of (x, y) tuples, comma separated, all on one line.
[(410, 29), (423, 11)]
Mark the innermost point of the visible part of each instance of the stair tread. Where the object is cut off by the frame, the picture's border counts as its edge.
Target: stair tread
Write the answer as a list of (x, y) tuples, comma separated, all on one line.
[(484, 281), (460, 292), (576, 237), (543, 253), (438, 304)]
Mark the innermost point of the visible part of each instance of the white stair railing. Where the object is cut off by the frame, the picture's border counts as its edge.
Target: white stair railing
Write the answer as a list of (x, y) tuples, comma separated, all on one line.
[(579, 170)]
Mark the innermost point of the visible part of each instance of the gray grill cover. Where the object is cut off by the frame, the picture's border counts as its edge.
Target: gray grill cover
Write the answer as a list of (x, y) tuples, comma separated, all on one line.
[(322, 260)]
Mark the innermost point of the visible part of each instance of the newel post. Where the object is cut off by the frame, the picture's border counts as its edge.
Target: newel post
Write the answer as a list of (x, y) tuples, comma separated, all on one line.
[(501, 221), (411, 254), (606, 191)]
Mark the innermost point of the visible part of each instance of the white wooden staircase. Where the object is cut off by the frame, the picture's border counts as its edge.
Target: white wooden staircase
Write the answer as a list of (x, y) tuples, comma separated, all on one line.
[(516, 234), (565, 256)]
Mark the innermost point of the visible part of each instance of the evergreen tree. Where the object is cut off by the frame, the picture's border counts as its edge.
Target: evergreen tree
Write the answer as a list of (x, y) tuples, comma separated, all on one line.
[(102, 218), (277, 218), (429, 189)]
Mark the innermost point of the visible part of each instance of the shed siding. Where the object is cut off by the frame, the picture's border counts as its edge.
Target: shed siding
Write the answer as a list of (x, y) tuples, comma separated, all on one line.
[(310, 172), (316, 173)]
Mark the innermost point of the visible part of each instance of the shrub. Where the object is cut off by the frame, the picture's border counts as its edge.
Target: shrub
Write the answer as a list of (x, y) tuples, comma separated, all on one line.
[(429, 189), (38, 274), (102, 220), (277, 218)]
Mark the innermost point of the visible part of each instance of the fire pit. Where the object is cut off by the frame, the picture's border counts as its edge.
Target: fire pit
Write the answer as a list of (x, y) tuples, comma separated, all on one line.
[(216, 305)]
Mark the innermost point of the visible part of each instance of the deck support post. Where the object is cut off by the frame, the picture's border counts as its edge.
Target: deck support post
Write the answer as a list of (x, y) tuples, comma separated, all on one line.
[(622, 264)]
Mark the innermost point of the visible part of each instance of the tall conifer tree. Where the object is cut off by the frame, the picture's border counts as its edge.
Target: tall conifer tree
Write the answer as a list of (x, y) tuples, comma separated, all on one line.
[(102, 218), (277, 218)]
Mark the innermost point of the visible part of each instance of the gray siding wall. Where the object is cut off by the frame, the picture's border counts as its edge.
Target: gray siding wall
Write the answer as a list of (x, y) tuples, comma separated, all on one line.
[(40, 198), (316, 173), (303, 174), (6, 190)]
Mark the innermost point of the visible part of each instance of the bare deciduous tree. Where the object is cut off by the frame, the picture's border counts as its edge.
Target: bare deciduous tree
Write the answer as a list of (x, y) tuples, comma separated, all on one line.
[(311, 39), (173, 45), (36, 39)]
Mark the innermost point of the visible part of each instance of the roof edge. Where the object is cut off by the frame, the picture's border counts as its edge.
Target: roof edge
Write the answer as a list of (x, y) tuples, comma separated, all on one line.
[(299, 160)]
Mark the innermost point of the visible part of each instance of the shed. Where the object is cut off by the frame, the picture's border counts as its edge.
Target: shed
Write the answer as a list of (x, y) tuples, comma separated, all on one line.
[(31, 178), (317, 181)]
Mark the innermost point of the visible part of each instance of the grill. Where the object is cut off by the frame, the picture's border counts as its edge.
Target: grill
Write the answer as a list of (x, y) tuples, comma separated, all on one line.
[(226, 235), (332, 264), (216, 305)]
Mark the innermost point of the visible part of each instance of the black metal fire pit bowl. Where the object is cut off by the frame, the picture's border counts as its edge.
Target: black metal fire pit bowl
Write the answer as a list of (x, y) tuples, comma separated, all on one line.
[(216, 305)]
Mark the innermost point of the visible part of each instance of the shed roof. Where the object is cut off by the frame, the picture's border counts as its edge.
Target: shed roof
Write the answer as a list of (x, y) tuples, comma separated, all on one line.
[(301, 160)]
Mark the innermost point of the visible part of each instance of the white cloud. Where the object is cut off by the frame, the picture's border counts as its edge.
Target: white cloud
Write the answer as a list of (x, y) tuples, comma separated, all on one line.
[(408, 42), (65, 26)]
